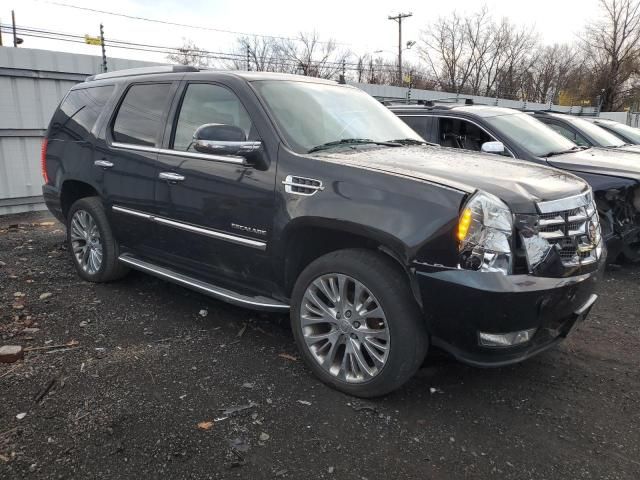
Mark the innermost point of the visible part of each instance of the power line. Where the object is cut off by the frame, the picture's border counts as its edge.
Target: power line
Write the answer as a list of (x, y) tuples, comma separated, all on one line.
[(176, 24), (199, 53)]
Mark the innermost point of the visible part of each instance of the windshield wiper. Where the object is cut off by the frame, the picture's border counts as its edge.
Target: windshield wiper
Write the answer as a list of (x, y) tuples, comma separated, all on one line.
[(351, 141), (562, 152), (412, 141)]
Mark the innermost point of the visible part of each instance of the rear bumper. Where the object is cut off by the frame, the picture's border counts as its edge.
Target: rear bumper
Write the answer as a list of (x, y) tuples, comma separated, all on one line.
[(51, 196), (461, 304)]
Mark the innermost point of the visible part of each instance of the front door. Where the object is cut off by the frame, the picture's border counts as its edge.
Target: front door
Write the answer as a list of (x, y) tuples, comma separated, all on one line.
[(218, 211)]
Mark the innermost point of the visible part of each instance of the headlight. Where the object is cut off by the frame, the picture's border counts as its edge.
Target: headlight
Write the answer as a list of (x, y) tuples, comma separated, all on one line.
[(484, 234)]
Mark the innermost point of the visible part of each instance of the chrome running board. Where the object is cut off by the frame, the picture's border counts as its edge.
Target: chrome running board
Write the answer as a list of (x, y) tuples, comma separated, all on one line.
[(257, 303)]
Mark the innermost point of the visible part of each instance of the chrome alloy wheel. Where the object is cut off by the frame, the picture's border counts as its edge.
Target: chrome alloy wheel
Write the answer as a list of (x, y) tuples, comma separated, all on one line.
[(344, 328), (86, 242)]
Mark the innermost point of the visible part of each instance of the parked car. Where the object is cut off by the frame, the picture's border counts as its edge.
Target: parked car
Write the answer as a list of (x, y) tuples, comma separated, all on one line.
[(626, 133), (286, 193), (613, 175), (583, 132)]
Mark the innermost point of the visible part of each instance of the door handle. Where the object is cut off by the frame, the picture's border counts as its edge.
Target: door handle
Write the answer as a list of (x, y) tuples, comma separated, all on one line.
[(171, 176), (103, 163)]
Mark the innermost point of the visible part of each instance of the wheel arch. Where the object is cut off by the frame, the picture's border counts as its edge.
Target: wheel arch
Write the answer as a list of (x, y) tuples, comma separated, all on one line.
[(72, 190), (305, 240)]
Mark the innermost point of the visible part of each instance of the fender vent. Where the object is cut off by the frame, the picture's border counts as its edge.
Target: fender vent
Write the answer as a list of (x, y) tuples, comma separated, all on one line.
[(301, 185)]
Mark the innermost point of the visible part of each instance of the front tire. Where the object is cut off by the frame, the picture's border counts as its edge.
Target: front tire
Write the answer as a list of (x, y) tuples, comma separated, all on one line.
[(357, 324), (93, 248)]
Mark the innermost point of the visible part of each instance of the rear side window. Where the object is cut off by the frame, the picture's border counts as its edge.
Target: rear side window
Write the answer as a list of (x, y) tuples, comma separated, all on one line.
[(79, 111), (139, 118)]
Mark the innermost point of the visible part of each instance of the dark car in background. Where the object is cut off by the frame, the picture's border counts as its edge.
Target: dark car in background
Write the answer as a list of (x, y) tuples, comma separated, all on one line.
[(296, 194), (614, 175), (584, 133), (626, 133)]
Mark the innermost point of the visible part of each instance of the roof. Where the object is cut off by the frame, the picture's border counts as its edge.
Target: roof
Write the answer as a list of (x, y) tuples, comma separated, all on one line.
[(476, 110), (195, 72)]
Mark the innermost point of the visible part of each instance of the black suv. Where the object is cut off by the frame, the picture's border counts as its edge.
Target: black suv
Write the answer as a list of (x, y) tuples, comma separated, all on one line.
[(286, 193), (584, 133), (613, 175)]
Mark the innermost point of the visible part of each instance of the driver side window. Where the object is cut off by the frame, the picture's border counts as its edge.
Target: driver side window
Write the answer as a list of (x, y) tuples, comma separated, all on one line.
[(458, 133), (206, 103)]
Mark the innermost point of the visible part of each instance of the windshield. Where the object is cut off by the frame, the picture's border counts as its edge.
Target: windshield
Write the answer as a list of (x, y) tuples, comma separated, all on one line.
[(530, 134), (314, 114), (633, 134), (600, 135)]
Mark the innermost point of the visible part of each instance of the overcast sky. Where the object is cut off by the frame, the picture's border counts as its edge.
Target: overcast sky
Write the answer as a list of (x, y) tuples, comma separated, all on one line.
[(359, 25)]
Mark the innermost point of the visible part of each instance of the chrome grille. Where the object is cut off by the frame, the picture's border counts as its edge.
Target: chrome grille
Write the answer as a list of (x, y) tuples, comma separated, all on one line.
[(574, 232)]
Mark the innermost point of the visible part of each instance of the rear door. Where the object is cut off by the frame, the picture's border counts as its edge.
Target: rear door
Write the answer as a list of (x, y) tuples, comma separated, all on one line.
[(218, 211), (127, 163)]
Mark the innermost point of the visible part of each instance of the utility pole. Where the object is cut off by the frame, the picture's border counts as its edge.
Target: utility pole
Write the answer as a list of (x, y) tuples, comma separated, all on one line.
[(104, 53), (0, 33), (13, 23), (398, 18), (248, 59)]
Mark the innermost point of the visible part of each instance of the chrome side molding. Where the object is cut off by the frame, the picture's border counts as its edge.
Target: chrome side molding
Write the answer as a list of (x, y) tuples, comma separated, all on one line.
[(247, 242), (258, 302)]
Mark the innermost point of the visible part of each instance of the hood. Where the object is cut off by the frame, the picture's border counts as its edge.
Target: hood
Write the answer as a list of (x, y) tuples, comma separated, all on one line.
[(600, 161), (629, 148), (518, 183)]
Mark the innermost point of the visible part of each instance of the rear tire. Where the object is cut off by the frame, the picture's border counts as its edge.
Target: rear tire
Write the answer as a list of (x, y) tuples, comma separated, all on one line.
[(356, 322), (94, 250)]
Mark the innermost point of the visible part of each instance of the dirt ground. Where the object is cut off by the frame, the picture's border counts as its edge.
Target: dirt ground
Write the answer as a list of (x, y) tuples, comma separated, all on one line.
[(142, 363)]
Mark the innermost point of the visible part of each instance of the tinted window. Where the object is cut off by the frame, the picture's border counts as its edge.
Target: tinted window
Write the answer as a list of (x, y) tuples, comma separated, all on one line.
[(457, 133), (571, 135), (79, 111), (139, 118), (419, 124), (204, 103), (631, 134)]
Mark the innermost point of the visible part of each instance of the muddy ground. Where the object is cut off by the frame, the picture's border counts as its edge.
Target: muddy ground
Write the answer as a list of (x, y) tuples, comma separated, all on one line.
[(143, 362)]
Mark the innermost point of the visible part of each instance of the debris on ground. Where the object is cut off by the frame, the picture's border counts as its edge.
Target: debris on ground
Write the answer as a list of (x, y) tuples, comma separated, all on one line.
[(242, 330), (264, 437), (20, 416), (203, 313), (236, 409), (304, 402), (11, 353), (286, 356), (45, 295), (70, 344), (45, 390), (206, 425)]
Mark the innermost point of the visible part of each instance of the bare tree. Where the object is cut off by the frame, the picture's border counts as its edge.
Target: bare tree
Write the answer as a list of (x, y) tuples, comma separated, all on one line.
[(189, 54), (261, 54), (308, 55), (612, 50)]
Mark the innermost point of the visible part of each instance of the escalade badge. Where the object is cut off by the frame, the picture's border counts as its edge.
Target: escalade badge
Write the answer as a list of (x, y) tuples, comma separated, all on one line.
[(255, 231)]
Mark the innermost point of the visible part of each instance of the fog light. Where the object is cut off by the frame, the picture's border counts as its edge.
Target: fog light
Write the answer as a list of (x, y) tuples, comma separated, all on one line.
[(506, 339)]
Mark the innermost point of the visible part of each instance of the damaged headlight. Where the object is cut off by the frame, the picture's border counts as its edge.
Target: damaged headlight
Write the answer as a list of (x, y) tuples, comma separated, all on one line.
[(484, 234)]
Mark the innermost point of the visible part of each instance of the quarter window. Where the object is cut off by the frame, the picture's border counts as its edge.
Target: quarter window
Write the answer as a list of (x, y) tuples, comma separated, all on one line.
[(139, 118), (79, 111), (206, 103)]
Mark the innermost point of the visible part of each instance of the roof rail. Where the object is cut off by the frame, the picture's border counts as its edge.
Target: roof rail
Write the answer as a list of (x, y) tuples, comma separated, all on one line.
[(130, 72)]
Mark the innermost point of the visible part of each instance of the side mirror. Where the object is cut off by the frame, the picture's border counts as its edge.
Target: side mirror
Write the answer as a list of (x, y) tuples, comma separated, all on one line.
[(226, 140), (492, 147)]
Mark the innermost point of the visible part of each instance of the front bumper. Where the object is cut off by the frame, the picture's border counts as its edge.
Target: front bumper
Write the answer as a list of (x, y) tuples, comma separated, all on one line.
[(459, 304)]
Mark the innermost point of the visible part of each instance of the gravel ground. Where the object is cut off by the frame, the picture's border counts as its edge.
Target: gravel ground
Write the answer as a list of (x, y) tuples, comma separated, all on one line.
[(144, 363)]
